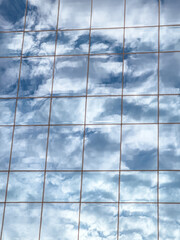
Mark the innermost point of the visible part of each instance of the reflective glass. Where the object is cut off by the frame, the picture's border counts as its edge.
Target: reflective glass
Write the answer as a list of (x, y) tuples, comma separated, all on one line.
[(12, 15), (169, 73), (169, 38), (74, 14), (104, 110), (169, 147), (62, 221), (39, 43), (139, 147), (3, 181), (9, 74), (105, 75), (70, 76), (138, 187), (7, 107), (21, 221), (68, 110), (107, 41), (32, 111), (141, 13), (65, 148), (29, 148), (62, 186), (141, 40), (72, 42), (1, 211), (100, 187), (169, 108), (36, 77), (10, 44), (170, 12), (98, 221), (138, 221), (25, 187), (169, 220), (139, 109), (169, 186), (140, 74), (5, 143), (108, 13), (41, 14), (102, 148)]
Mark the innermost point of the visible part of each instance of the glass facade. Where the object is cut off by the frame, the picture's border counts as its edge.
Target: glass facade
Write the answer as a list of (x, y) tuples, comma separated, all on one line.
[(89, 119)]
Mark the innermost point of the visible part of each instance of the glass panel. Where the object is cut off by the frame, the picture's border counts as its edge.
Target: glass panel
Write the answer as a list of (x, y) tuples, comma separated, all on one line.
[(169, 218), (75, 14), (141, 13), (138, 221), (42, 14), (139, 147), (138, 187), (21, 221), (3, 181), (10, 44), (1, 211), (36, 77), (141, 40), (139, 109), (5, 143), (9, 75), (108, 13), (39, 43), (62, 221), (102, 149), (98, 221), (169, 108), (12, 15), (169, 73), (25, 186), (62, 187), (29, 148), (70, 76), (104, 110), (7, 107), (100, 187), (140, 74), (169, 186), (170, 12), (72, 42), (105, 75), (169, 38), (65, 148), (68, 110), (107, 41), (169, 147), (32, 111)]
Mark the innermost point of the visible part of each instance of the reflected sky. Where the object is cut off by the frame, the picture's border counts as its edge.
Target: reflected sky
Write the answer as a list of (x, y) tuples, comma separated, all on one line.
[(7, 107)]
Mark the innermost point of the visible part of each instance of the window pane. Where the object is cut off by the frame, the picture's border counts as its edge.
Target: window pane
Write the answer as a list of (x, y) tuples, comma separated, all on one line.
[(169, 38), (170, 12), (7, 107)]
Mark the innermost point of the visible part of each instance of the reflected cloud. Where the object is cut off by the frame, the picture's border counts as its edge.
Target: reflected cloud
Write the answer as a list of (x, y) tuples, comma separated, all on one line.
[(170, 38), (139, 147), (98, 221), (100, 187), (170, 12), (7, 107), (65, 148), (102, 149), (3, 182), (21, 221), (138, 187), (29, 148)]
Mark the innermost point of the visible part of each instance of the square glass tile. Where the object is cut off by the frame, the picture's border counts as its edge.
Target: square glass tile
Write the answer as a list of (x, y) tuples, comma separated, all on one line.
[(105, 75), (70, 76), (29, 148), (138, 187), (139, 147), (7, 107), (62, 221), (170, 38), (170, 12), (3, 182), (65, 148), (102, 148)]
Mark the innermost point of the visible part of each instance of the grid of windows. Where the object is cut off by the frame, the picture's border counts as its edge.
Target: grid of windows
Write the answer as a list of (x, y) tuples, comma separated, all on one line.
[(90, 119)]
